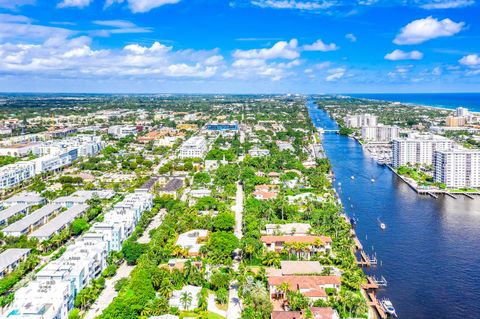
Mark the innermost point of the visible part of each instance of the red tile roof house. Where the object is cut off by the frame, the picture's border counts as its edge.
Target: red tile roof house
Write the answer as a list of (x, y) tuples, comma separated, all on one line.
[(265, 192), (317, 313), (312, 287), (303, 246)]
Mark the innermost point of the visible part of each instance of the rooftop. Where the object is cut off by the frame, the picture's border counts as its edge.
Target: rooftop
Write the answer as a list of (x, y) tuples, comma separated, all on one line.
[(10, 256)]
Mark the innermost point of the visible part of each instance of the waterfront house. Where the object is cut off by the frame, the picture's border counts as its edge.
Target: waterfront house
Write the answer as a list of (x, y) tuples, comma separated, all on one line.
[(303, 246), (312, 287)]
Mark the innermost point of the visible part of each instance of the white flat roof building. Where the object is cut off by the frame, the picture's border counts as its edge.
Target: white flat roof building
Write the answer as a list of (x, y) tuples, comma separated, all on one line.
[(120, 131), (195, 146), (189, 240), (41, 300), (288, 229), (258, 152)]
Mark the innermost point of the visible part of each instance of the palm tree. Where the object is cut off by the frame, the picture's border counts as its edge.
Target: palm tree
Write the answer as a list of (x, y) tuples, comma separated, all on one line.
[(284, 288), (186, 299), (271, 259)]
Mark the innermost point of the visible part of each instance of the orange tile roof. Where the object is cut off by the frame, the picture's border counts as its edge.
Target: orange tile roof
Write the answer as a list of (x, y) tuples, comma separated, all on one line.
[(295, 239)]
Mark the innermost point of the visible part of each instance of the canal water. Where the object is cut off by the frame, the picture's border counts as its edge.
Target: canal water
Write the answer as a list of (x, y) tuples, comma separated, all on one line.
[(430, 251)]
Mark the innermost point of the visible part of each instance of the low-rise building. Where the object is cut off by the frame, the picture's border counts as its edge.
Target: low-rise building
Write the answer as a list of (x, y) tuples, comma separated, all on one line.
[(294, 229), (311, 244), (192, 241), (195, 146), (120, 131), (11, 258), (258, 152), (313, 287), (58, 223), (225, 126), (33, 220)]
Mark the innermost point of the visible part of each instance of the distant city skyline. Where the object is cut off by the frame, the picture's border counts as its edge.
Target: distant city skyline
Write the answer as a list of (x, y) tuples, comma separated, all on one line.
[(239, 46)]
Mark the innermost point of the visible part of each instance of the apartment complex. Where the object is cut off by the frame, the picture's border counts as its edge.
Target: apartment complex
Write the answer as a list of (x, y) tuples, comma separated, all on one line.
[(120, 131), (51, 295), (457, 168), (455, 121), (54, 155), (195, 146), (360, 120), (379, 133), (418, 149)]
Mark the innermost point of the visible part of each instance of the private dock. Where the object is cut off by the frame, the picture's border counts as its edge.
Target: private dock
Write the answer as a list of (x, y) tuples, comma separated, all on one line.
[(375, 304), (366, 260)]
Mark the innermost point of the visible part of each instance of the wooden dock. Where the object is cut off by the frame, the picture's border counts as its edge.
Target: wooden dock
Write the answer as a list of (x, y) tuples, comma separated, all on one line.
[(366, 260), (374, 303), (371, 284)]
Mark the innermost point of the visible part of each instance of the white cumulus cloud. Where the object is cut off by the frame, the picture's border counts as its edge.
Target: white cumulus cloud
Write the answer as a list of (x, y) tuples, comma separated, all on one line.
[(398, 55), (141, 6), (74, 3), (281, 49), (421, 30), (470, 60), (319, 45)]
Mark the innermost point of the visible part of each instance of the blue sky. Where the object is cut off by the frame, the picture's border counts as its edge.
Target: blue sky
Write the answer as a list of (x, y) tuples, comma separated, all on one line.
[(239, 46)]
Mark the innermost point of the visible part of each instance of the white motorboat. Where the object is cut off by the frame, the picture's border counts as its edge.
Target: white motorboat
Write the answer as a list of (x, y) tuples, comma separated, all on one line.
[(352, 177), (383, 226), (372, 180), (388, 306)]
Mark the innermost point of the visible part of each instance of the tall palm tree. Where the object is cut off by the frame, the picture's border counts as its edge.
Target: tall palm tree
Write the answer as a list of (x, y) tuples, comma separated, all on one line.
[(186, 299)]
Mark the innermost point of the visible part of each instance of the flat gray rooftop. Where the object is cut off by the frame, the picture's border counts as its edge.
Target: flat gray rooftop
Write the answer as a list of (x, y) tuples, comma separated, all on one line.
[(57, 223), (31, 219), (10, 256)]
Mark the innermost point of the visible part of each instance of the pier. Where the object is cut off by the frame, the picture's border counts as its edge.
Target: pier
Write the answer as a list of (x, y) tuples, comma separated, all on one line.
[(375, 304)]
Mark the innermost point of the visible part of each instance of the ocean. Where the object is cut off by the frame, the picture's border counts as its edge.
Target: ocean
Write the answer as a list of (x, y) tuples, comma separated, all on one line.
[(444, 100)]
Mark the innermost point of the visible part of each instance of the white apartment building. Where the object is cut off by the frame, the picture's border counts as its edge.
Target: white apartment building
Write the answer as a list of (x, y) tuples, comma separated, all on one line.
[(461, 112), (418, 149), (13, 174), (51, 295), (457, 168), (120, 131), (379, 133), (195, 146), (360, 120), (54, 156), (41, 300)]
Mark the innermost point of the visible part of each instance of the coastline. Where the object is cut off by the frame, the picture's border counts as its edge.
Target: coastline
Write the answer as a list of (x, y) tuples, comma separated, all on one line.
[(414, 104)]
